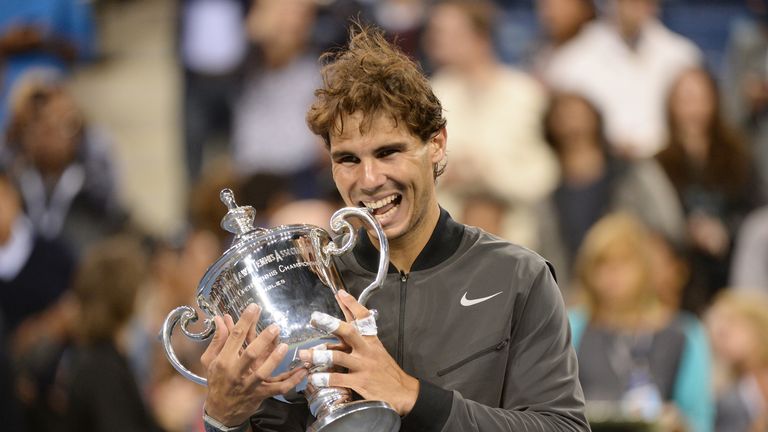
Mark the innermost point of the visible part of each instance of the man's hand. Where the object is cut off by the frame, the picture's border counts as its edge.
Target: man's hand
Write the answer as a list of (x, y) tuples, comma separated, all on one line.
[(239, 379), (372, 372)]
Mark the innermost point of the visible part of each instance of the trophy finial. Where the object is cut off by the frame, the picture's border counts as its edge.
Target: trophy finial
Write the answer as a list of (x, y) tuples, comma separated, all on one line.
[(228, 198), (238, 220)]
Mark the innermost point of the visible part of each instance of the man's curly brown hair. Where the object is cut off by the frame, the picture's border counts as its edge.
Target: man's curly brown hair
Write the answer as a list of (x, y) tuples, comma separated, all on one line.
[(373, 77)]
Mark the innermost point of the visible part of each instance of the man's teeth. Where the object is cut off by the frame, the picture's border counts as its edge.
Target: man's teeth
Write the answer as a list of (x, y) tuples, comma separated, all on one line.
[(382, 218), (380, 203)]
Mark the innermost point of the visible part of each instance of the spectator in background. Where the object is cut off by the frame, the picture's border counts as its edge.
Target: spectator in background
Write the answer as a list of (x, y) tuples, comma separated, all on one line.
[(171, 282), (39, 346), (624, 63), (205, 209), (267, 194), (748, 268), (745, 84), (270, 132), (594, 183), (710, 167), (738, 325), (34, 271), (176, 270), (560, 22), (103, 394), (403, 22), (213, 45), (499, 161), (10, 409), (671, 272), (63, 165), (34, 274), (41, 34), (631, 350)]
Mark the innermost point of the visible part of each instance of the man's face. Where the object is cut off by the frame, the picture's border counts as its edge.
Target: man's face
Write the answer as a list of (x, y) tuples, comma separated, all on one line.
[(52, 141), (388, 170), (561, 18)]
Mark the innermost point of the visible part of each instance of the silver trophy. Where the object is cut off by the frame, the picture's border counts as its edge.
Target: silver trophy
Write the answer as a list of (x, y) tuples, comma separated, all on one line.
[(289, 272)]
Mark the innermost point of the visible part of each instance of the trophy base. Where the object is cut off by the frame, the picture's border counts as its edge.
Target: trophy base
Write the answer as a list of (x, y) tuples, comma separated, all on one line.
[(369, 416)]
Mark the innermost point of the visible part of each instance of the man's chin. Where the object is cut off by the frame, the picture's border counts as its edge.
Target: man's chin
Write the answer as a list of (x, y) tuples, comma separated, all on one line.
[(391, 232)]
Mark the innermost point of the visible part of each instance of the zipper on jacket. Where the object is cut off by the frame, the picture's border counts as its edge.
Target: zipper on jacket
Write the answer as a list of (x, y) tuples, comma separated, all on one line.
[(496, 347), (401, 327)]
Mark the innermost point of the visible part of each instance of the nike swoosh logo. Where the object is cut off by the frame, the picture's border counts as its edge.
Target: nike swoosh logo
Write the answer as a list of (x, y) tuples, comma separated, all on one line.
[(467, 302)]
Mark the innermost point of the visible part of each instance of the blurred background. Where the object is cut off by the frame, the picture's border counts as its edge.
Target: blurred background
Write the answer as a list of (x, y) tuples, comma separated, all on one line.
[(626, 141)]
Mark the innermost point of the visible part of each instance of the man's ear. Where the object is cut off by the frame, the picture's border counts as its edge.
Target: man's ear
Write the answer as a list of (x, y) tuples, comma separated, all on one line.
[(437, 145)]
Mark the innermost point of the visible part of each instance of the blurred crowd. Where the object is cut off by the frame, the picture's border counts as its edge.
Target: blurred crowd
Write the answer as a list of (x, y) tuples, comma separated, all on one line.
[(632, 157)]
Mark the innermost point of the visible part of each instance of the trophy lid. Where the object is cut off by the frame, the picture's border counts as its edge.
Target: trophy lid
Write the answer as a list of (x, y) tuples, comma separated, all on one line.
[(239, 219)]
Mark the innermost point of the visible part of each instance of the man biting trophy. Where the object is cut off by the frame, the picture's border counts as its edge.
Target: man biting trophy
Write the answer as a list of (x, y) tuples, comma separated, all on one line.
[(471, 332)]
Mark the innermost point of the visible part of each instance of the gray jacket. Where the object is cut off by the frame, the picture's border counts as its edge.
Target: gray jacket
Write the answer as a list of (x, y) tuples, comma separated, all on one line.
[(480, 322)]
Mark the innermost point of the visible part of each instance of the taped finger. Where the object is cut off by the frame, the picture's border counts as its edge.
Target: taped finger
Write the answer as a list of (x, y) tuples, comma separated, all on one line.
[(324, 322), (316, 357), (367, 326), (322, 358), (320, 379)]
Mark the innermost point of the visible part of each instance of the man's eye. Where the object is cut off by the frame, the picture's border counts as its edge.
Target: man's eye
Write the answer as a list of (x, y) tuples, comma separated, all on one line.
[(388, 152), (347, 160)]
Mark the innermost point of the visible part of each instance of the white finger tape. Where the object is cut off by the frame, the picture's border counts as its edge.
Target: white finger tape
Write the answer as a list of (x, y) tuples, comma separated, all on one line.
[(367, 326), (322, 358), (320, 380), (324, 322)]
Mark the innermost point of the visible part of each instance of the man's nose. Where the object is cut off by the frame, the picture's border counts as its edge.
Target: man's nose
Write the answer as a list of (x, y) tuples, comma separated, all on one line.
[(372, 175)]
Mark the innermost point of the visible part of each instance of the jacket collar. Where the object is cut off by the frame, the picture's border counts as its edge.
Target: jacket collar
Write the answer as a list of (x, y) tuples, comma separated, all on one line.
[(443, 242)]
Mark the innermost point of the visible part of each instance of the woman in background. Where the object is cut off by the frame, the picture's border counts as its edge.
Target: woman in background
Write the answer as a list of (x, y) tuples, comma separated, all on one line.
[(738, 325), (711, 169), (633, 353), (594, 183), (102, 390)]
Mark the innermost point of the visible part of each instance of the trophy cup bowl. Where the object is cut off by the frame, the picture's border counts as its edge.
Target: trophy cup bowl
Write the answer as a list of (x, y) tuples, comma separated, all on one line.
[(289, 272)]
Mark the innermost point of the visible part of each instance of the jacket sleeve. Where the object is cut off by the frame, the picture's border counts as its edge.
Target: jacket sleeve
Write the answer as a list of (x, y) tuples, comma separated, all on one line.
[(541, 389)]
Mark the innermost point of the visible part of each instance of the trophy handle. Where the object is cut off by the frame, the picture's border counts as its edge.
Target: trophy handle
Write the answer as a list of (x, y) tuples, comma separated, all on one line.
[(185, 314), (339, 224)]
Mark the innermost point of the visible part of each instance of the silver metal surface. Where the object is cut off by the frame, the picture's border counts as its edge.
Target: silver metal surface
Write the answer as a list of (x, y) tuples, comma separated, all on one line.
[(340, 224), (289, 272), (185, 315), (364, 415), (239, 219)]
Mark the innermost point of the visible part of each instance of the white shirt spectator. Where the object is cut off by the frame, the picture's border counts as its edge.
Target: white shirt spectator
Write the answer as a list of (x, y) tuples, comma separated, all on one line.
[(213, 40), (495, 138), (629, 86), (271, 133)]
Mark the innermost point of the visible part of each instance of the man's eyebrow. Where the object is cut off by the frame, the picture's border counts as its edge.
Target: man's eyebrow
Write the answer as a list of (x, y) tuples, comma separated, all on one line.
[(388, 146), (391, 146)]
